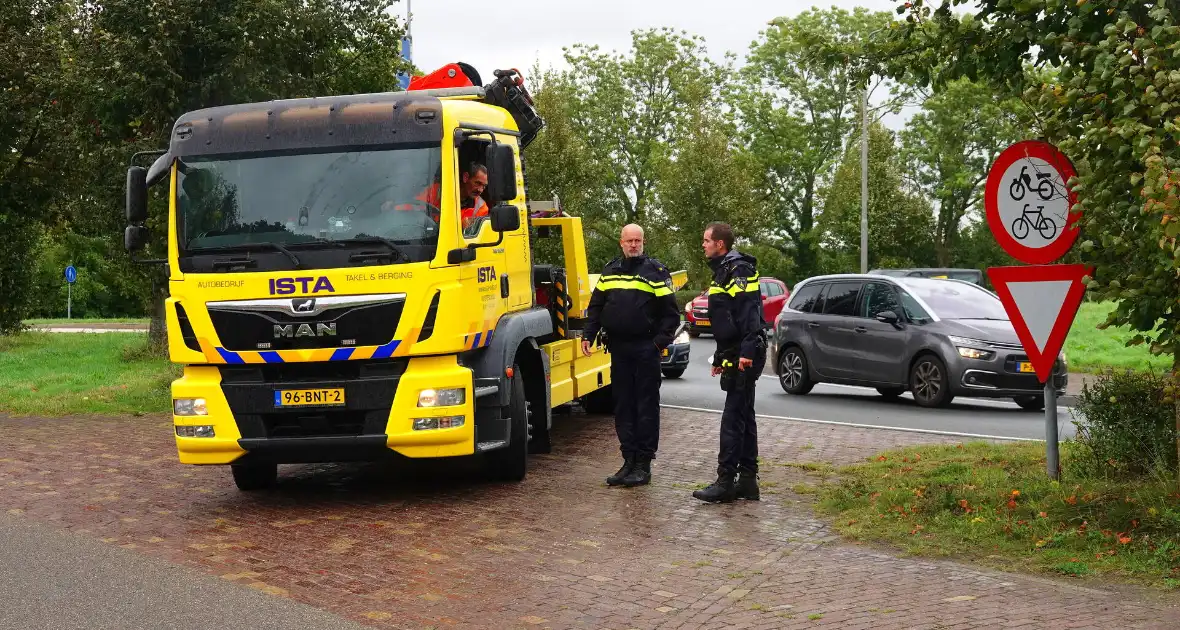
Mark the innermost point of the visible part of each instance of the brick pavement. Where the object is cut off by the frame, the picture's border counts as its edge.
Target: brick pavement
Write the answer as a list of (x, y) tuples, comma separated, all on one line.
[(430, 546)]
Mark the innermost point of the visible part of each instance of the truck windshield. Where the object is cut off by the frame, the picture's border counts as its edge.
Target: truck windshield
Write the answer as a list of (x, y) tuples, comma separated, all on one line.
[(308, 201)]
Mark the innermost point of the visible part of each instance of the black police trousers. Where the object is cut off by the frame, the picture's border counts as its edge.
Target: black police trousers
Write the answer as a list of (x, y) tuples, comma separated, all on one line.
[(636, 379), (739, 432)]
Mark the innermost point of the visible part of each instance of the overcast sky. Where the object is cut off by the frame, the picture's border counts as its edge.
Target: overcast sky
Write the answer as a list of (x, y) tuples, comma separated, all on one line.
[(517, 33)]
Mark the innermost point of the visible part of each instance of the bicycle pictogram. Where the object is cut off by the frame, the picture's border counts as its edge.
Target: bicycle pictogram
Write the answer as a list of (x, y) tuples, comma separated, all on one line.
[(1023, 182), (1043, 224)]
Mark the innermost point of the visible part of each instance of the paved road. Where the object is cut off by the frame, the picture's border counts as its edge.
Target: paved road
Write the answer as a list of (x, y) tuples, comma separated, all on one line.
[(58, 580), (862, 406)]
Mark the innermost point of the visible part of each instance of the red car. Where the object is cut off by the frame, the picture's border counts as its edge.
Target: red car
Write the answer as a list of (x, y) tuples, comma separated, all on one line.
[(774, 297)]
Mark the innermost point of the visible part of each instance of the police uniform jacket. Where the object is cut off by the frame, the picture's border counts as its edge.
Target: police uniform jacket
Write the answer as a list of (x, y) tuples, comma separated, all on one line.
[(735, 308), (632, 301)]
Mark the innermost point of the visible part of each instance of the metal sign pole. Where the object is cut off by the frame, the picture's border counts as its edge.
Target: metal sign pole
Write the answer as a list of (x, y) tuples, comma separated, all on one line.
[(1052, 457), (69, 299)]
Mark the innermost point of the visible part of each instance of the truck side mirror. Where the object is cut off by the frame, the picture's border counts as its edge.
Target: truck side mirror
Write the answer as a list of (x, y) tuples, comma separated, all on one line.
[(136, 195), (505, 218), (501, 164), (135, 237)]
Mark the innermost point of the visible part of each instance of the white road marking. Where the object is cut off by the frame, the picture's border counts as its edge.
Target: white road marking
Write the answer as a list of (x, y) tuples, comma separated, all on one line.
[(866, 426), (992, 402)]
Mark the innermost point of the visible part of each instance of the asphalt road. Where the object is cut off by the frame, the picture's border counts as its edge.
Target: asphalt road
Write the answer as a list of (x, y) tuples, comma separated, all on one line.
[(56, 580), (861, 406)]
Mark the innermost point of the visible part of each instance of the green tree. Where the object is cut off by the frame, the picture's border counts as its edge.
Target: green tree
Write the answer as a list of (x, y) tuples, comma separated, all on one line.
[(796, 109), (901, 224), (32, 150), (1111, 108), (948, 147)]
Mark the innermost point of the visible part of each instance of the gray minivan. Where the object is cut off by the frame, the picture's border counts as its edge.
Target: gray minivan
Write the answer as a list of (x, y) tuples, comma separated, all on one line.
[(934, 338)]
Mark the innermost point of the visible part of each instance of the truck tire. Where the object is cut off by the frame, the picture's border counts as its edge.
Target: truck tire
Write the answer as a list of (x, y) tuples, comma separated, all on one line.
[(510, 462), (250, 477), (600, 401)]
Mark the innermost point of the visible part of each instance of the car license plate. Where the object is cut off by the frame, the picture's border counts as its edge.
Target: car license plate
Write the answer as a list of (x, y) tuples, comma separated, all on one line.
[(703, 322), (309, 397), (1024, 366), (666, 352)]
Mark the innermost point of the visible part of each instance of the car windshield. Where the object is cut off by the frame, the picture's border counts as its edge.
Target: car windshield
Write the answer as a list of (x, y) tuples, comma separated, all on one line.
[(310, 198), (955, 300)]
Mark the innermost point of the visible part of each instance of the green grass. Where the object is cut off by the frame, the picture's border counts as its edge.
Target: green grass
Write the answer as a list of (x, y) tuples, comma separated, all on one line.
[(80, 321), (1089, 349), (995, 504), (55, 374)]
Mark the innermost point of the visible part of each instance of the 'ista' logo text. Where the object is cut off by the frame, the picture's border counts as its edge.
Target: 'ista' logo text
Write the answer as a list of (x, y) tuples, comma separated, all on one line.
[(288, 286), (485, 274)]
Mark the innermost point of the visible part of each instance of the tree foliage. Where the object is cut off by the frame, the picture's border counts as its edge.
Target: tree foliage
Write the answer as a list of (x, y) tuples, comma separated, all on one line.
[(948, 148), (900, 223), (796, 109)]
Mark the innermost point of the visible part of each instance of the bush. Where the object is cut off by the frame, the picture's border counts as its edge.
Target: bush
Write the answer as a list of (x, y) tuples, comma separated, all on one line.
[(1127, 425), (684, 296)]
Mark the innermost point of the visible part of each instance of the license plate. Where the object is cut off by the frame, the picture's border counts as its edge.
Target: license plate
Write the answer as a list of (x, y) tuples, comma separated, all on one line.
[(309, 397), (1024, 366), (703, 322), (666, 352)]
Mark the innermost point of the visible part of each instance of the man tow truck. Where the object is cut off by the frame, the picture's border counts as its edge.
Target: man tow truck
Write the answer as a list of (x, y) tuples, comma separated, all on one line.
[(327, 303)]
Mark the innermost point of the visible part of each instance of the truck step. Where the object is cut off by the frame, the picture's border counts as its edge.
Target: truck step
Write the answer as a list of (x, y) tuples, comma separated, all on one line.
[(489, 445), (486, 390)]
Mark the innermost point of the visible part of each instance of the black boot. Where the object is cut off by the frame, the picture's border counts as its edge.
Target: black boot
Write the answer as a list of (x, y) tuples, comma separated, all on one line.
[(723, 490), (640, 474), (617, 478), (747, 485)]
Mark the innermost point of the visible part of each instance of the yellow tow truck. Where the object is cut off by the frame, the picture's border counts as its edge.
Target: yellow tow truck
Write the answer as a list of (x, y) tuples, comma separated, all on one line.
[(329, 302)]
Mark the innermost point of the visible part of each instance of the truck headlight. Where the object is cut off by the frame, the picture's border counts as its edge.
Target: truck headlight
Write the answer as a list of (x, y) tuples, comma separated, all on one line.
[(681, 338), (442, 397), (199, 431), (189, 407), (446, 422)]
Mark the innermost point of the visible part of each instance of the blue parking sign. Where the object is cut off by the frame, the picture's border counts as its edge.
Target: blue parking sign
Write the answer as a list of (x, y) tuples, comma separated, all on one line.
[(71, 274)]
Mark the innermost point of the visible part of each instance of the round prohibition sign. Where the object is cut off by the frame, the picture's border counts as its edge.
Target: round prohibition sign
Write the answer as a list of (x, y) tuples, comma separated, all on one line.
[(1028, 204)]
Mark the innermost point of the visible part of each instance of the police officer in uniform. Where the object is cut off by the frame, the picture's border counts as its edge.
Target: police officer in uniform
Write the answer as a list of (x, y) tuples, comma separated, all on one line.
[(634, 306), (735, 310)]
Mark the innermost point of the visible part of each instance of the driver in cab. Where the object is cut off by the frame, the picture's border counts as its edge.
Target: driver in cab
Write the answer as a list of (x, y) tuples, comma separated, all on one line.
[(473, 181)]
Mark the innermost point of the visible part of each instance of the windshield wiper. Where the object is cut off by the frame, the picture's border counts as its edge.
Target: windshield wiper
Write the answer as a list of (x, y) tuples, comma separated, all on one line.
[(248, 247), (376, 240)]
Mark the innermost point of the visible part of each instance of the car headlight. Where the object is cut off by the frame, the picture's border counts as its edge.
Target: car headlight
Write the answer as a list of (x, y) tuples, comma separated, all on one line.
[(442, 397), (688, 307), (975, 353), (681, 338)]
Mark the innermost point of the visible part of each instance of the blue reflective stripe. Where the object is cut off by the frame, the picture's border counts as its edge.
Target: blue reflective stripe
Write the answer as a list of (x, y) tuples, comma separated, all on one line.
[(386, 351), (475, 344), (342, 354), (230, 357), (271, 357)]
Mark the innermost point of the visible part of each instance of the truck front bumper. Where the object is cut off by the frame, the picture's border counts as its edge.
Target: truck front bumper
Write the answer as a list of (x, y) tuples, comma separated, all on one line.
[(379, 415)]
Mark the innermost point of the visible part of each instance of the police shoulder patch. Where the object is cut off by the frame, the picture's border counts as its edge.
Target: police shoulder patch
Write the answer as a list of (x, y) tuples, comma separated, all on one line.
[(741, 281)]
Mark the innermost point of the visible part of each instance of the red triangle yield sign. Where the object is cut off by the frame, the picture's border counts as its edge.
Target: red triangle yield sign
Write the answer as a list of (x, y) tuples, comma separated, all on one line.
[(1041, 302)]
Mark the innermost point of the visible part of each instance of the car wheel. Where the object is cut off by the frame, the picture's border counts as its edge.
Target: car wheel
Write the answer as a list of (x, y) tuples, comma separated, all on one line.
[(792, 372), (891, 392), (250, 477), (1031, 403), (675, 373), (929, 382), (510, 462)]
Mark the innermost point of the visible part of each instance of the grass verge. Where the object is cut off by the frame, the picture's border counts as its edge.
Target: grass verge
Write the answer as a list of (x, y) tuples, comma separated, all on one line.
[(994, 504), (81, 321), (50, 374), (1089, 349)]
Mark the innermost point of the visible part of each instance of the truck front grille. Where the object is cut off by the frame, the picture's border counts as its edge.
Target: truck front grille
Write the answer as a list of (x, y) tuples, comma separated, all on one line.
[(240, 328)]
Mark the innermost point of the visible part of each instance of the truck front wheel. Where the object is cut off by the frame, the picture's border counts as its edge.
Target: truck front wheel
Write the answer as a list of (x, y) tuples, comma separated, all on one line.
[(510, 462), (249, 477)]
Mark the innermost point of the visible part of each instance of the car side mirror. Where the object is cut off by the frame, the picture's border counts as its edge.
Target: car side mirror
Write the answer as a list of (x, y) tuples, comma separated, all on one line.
[(505, 218), (889, 317), (501, 164), (136, 195)]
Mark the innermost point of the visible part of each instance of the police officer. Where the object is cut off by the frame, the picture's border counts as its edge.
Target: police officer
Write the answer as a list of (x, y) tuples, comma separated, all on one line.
[(633, 304), (735, 310)]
